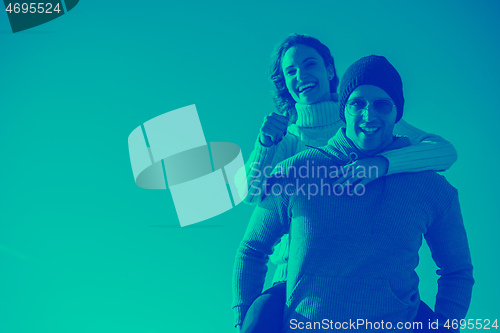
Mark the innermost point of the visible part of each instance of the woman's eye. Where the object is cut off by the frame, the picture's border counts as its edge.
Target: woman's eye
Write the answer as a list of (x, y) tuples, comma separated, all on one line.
[(290, 72)]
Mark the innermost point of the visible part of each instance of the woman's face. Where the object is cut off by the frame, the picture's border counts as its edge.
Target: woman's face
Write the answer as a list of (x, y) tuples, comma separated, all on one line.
[(307, 79)]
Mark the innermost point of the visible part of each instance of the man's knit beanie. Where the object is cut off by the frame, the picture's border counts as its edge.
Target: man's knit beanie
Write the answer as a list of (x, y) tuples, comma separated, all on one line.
[(377, 71)]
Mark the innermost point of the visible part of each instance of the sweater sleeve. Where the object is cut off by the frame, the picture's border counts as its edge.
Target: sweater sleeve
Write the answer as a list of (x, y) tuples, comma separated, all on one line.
[(447, 241), (267, 224), (259, 166), (427, 152)]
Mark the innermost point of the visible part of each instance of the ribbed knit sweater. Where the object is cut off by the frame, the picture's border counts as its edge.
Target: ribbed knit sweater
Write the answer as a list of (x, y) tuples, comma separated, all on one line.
[(354, 256), (315, 125)]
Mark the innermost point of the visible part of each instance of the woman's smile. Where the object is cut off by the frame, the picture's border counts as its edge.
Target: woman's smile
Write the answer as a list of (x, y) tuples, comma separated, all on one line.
[(306, 87)]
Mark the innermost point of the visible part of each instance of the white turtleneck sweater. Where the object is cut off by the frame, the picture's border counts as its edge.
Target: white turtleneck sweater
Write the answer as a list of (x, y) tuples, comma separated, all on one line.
[(315, 125)]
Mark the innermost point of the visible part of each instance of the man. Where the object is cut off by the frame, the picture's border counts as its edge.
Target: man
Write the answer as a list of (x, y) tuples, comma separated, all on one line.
[(354, 249)]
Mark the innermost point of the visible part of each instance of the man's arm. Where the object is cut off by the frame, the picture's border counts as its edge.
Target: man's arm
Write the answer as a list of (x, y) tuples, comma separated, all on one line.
[(268, 223), (447, 241)]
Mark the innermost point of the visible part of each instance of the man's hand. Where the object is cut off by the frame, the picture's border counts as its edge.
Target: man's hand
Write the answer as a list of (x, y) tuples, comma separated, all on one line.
[(238, 329), (365, 170), (273, 129)]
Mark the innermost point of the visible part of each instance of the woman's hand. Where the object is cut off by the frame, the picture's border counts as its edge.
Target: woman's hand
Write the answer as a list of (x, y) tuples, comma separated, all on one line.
[(363, 171), (238, 328), (273, 129)]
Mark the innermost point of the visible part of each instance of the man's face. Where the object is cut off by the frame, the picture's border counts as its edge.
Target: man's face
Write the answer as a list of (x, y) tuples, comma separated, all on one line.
[(369, 130)]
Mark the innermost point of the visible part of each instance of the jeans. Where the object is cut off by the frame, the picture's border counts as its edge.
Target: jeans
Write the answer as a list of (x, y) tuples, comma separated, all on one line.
[(265, 315)]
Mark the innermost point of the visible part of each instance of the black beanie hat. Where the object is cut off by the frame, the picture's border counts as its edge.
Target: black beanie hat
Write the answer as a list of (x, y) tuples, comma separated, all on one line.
[(376, 71)]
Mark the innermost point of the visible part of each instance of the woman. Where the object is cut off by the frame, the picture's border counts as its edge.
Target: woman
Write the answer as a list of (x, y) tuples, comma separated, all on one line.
[(305, 78)]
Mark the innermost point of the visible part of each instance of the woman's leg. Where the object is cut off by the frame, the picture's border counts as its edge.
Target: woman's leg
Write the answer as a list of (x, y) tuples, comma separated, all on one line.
[(423, 315), (265, 315)]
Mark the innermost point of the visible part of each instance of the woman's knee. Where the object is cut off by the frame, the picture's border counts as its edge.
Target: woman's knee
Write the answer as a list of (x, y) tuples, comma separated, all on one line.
[(266, 312)]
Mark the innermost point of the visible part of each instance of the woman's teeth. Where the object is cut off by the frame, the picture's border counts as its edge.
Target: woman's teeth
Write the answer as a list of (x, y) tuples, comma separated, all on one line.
[(306, 86)]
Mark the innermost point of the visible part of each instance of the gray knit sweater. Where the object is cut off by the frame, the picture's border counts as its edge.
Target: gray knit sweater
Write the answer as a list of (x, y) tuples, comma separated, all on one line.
[(354, 256)]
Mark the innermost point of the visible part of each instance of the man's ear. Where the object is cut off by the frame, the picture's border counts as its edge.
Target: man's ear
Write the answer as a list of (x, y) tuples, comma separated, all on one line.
[(330, 71)]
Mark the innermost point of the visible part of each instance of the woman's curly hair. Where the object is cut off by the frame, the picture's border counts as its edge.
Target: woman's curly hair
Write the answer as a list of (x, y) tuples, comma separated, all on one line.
[(282, 98)]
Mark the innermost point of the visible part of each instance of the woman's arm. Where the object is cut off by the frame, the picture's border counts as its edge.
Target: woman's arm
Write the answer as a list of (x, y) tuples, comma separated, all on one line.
[(267, 224), (259, 166), (427, 152)]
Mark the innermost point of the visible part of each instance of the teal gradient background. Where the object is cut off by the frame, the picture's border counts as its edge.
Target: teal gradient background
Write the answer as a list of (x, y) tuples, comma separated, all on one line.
[(83, 249)]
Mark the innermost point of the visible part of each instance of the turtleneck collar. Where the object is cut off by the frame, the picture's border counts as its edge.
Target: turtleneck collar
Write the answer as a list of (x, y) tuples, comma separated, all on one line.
[(318, 114), (344, 149)]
